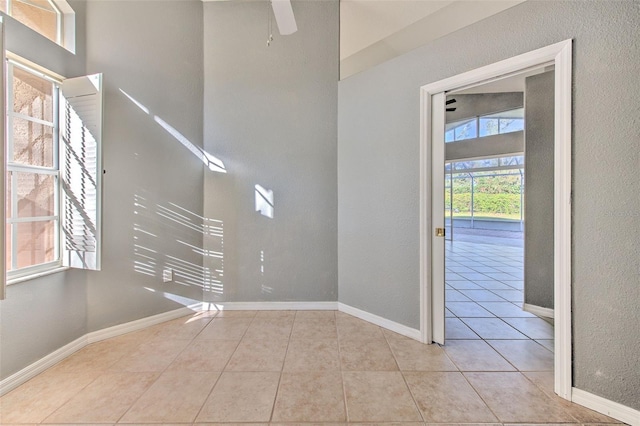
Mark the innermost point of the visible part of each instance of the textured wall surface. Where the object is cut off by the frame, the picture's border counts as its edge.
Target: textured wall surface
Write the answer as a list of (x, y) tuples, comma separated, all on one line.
[(44, 314), (378, 176), (270, 115), (151, 57), (538, 172)]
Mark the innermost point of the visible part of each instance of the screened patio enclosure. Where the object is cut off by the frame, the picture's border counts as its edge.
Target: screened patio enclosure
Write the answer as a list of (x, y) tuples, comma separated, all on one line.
[(485, 195)]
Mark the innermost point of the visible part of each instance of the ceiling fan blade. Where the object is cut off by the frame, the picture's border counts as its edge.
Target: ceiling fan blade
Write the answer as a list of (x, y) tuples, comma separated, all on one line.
[(283, 12), (451, 109), (450, 101)]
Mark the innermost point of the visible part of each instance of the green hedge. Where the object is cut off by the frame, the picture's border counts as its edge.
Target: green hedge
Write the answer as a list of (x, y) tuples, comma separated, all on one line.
[(485, 203)]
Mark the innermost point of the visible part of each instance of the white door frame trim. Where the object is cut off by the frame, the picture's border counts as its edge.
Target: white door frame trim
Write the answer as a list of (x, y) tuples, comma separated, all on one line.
[(558, 54)]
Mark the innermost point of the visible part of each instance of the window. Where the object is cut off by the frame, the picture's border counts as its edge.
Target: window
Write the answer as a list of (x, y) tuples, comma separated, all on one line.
[(461, 130), (502, 122), (53, 171), (54, 19), (32, 171), (485, 125)]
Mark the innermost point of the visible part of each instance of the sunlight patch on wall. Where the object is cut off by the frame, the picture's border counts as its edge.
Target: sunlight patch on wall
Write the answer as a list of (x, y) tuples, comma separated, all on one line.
[(264, 201)]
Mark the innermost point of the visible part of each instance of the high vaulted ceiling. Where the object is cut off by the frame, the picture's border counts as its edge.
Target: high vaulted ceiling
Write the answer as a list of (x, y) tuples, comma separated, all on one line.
[(374, 31)]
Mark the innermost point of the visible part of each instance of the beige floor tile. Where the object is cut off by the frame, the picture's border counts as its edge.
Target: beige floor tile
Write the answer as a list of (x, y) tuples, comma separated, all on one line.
[(145, 424), (225, 329), (547, 343), (236, 314), (465, 424), (310, 397), (378, 396), (275, 314), (314, 329), (181, 328), (534, 328), (542, 424), (468, 310), (154, 355), (231, 424), (312, 355), (176, 396), (98, 356), (241, 397), (258, 355), (525, 355), (363, 354), (277, 328), (77, 424), (506, 310), (456, 329), (493, 328), (354, 328), (476, 355), (105, 400), (412, 355), (205, 355), (392, 424), (515, 399), (35, 400), (310, 424), (447, 398), (316, 315), (545, 381)]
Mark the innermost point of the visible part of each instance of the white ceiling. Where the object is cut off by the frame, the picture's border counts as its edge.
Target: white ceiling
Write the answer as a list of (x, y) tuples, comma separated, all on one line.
[(374, 31), (364, 22)]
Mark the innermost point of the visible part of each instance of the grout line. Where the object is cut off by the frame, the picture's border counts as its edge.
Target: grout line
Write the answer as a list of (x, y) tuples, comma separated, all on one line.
[(284, 359), (223, 368), (160, 373)]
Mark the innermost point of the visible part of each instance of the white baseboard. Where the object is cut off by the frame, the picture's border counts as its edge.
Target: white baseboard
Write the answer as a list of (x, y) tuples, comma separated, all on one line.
[(69, 349), (55, 357), (606, 407), (538, 310), (272, 306), (128, 327), (382, 322), (41, 365)]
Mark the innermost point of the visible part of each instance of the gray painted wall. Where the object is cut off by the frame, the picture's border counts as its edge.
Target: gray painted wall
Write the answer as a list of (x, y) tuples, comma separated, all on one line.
[(538, 206), (270, 114), (153, 186), (44, 314), (378, 175)]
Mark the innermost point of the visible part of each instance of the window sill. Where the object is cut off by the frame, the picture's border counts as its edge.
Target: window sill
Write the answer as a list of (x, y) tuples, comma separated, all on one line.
[(35, 275)]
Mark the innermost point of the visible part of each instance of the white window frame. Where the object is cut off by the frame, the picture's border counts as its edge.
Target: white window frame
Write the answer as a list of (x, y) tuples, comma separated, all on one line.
[(15, 274), (65, 23)]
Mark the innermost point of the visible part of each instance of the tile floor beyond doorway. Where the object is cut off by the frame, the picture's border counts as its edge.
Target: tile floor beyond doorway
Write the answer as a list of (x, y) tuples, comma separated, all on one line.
[(484, 296), (287, 367)]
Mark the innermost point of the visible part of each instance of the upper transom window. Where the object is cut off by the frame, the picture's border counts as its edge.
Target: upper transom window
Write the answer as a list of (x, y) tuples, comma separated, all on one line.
[(54, 19), (485, 125)]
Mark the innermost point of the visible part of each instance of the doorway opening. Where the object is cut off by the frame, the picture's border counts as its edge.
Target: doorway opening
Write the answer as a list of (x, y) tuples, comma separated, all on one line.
[(435, 99), (493, 133)]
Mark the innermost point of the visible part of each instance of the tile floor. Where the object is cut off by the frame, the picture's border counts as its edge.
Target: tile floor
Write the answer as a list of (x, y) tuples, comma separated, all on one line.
[(312, 367), (484, 284)]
